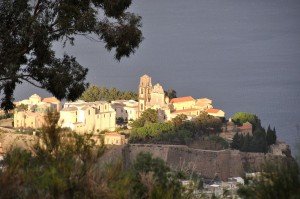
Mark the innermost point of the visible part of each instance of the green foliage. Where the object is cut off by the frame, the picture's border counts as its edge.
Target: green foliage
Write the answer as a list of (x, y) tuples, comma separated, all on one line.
[(95, 93), (219, 140), (277, 180), (179, 120), (178, 131), (248, 143), (148, 177), (241, 117), (205, 124), (271, 136), (29, 29), (120, 120), (150, 131), (148, 116), (171, 93), (22, 107), (61, 165), (6, 116)]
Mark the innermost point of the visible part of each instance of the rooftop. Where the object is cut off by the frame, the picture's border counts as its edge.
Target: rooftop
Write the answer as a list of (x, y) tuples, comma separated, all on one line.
[(185, 110), (182, 99), (51, 100), (213, 110)]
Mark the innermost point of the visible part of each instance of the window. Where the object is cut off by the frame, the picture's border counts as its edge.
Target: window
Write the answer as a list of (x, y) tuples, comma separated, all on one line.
[(89, 112), (104, 115), (142, 107), (141, 90)]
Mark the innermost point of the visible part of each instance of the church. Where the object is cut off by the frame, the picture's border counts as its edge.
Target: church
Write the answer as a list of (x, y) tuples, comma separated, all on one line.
[(154, 97)]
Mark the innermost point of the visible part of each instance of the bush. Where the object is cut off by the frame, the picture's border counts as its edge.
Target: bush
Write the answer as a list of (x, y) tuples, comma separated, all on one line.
[(219, 140), (242, 117)]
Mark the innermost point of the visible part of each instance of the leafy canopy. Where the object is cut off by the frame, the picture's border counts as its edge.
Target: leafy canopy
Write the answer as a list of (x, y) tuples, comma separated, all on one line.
[(277, 180), (29, 28), (147, 117), (95, 93), (243, 117)]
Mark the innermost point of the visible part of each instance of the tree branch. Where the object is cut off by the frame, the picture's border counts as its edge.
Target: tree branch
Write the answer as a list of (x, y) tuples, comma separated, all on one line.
[(36, 9), (32, 83)]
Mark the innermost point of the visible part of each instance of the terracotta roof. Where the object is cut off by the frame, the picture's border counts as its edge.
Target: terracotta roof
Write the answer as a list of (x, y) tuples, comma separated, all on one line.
[(51, 100), (245, 126), (182, 99), (185, 110), (203, 101), (213, 110)]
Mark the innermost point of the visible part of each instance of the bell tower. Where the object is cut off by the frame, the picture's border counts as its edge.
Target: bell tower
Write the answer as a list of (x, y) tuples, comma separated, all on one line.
[(144, 92)]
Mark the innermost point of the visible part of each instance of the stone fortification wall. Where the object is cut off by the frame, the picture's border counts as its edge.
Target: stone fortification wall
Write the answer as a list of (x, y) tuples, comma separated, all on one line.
[(208, 163)]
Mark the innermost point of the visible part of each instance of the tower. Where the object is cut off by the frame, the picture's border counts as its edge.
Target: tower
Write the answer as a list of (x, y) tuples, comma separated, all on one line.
[(144, 92)]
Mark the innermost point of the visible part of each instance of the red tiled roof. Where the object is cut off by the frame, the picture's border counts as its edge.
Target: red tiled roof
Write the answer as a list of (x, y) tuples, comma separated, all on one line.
[(185, 110), (51, 100), (213, 110), (246, 126), (182, 99)]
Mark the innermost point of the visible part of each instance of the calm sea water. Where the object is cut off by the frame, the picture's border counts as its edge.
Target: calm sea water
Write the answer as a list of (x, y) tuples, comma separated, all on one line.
[(245, 55)]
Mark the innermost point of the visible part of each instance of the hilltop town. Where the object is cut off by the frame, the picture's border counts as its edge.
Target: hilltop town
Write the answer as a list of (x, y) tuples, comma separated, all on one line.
[(94, 117), (188, 128)]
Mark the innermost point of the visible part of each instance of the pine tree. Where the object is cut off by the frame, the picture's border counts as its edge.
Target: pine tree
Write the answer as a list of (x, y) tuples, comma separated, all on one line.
[(271, 136)]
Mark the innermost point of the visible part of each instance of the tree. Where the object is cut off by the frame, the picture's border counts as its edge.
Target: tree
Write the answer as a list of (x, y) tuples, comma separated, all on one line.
[(277, 180), (271, 136), (148, 116), (205, 123), (61, 165), (95, 93), (171, 93), (154, 179), (251, 143), (242, 117), (22, 107), (179, 119), (91, 94), (29, 28)]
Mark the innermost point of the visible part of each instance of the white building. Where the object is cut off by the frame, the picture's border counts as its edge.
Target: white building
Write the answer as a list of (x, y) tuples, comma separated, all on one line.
[(126, 109), (88, 117)]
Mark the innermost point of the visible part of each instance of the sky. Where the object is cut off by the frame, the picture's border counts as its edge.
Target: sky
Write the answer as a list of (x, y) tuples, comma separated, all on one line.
[(245, 55)]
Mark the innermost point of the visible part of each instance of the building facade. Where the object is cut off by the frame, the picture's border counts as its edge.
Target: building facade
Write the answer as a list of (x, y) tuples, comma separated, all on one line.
[(126, 109), (154, 97), (88, 117)]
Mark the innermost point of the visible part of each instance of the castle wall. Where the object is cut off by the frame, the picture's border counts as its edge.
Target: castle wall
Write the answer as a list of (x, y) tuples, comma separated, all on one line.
[(208, 163)]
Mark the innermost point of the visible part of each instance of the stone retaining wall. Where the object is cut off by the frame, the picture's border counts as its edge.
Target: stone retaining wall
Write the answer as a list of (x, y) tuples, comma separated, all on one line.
[(208, 163)]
